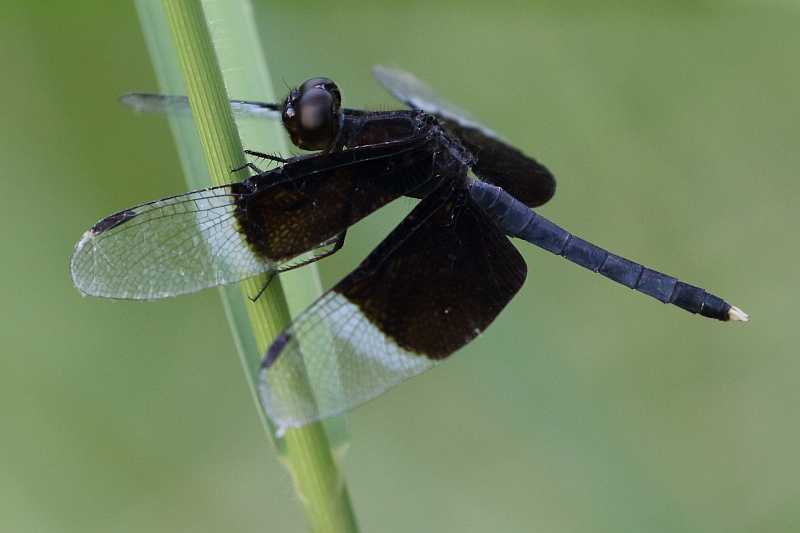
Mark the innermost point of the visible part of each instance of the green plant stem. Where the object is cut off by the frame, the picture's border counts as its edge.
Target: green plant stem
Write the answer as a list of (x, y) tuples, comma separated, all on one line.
[(317, 479)]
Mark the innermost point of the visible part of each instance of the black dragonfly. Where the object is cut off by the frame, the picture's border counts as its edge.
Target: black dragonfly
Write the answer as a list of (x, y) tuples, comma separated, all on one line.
[(436, 282)]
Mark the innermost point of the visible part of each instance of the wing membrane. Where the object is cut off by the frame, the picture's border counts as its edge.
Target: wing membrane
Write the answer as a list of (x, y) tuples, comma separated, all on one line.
[(501, 164), (272, 221), (438, 280), (496, 160), (165, 248), (179, 104), (418, 95)]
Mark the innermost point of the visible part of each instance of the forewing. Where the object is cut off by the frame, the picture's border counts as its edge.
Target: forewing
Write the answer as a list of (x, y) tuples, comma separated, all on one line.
[(308, 201), (165, 248), (417, 94), (437, 281), (220, 235), (496, 161), (178, 104)]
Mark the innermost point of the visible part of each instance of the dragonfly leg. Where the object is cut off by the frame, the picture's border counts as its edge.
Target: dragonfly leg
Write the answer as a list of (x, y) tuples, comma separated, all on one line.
[(251, 166), (337, 245), (270, 277), (268, 157)]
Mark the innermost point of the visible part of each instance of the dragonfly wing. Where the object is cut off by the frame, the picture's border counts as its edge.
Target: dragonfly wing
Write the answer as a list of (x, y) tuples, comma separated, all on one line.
[(435, 283)]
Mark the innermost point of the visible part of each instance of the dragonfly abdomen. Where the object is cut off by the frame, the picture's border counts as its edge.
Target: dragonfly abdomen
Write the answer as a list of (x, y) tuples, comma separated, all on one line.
[(517, 220)]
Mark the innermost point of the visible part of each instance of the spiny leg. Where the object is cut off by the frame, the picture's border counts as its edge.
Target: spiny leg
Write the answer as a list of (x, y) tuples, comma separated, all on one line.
[(268, 157), (270, 276), (260, 155), (249, 165), (338, 242)]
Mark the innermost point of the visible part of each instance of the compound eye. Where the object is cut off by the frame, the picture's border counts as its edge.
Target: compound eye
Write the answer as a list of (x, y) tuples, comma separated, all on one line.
[(312, 114), (315, 110)]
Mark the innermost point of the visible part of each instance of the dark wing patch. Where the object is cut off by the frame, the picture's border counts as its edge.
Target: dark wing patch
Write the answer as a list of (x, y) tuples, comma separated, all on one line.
[(305, 203), (499, 163), (437, 281), (496, 160)]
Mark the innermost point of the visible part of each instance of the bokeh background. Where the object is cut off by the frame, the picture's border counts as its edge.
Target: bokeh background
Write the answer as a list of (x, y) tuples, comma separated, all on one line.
[(673, 128)]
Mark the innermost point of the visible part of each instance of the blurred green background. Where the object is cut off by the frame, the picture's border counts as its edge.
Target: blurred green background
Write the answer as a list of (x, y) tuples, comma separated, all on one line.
[(674, 132)]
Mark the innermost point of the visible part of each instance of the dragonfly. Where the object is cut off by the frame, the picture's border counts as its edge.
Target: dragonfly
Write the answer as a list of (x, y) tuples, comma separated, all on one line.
[(435, 283)]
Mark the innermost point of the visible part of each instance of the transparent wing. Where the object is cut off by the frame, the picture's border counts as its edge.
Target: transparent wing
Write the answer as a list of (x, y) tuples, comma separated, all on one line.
[(350, 361), (437, 281), (179, 105), (165, 248), (168, 103), (417, 94)]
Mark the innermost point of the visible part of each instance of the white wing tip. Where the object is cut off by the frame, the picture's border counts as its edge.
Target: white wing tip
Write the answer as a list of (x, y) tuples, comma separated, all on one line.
[(79, 284), (737, 315)]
